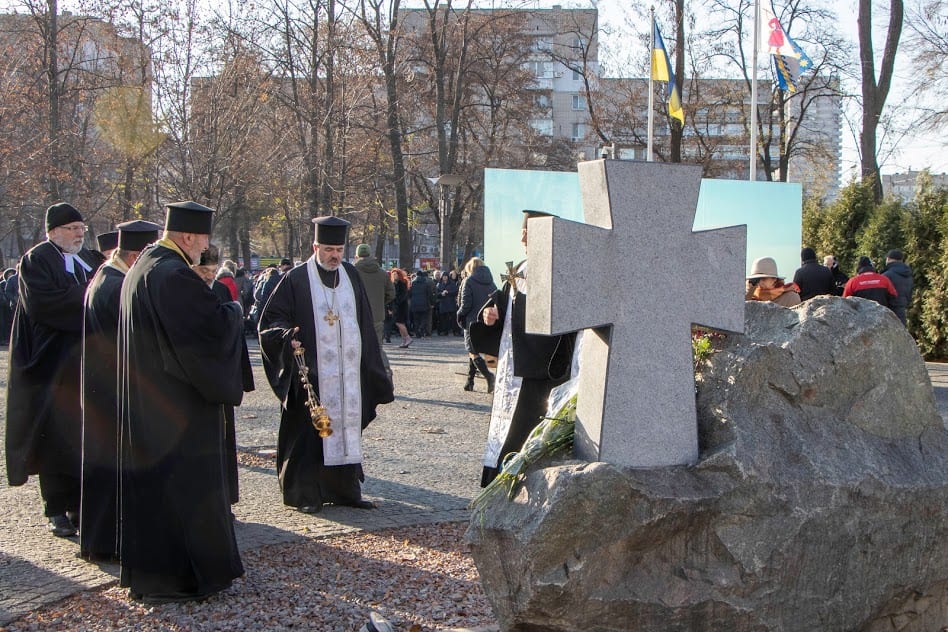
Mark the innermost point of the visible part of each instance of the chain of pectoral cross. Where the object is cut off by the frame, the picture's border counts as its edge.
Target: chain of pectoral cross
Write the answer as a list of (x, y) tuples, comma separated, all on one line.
[(331, 317)]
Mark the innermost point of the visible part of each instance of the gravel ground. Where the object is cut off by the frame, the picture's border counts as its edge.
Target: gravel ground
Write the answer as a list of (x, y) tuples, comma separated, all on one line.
[(419, 578)]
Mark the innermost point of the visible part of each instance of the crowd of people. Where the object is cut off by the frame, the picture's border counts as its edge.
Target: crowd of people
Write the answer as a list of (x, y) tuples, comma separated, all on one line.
[(126, 364), (891, 288)]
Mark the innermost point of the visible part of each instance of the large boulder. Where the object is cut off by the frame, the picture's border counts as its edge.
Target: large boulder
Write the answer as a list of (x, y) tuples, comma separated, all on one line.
[(819, 501)]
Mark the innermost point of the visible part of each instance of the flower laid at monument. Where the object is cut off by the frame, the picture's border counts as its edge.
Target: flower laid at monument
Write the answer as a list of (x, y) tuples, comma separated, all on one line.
[(553, 435)]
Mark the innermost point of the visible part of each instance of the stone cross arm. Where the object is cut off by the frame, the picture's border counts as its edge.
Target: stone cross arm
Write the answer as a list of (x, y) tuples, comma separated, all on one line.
[(638, 277)]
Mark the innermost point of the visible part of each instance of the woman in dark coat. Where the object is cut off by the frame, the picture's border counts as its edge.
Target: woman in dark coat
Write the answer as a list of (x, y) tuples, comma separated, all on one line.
[(476, 288), (402, 286), (447, 294)]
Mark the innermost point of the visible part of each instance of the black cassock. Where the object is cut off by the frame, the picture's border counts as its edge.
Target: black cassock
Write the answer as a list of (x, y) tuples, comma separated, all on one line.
[(230, 422), (542, 362), (43, 402), (98, 532), (179, 364), (303, 477)]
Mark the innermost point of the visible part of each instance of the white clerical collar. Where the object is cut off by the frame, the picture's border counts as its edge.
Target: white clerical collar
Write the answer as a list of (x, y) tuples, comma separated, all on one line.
[(71, 261)]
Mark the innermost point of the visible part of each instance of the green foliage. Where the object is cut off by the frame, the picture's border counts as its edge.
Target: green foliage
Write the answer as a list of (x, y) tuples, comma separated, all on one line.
[(701, 347), (885, 229), (927, 250), (837, 228), (854, 225)]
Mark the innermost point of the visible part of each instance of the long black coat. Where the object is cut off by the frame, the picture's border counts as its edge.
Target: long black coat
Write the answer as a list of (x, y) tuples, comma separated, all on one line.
[(43, 401), (98, 536), (814, 279), (535, 356), (303, 477), (179, 352)]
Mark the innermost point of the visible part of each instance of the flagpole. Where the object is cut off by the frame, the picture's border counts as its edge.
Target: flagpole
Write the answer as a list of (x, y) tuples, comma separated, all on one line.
[(753, 121), (651, 88)]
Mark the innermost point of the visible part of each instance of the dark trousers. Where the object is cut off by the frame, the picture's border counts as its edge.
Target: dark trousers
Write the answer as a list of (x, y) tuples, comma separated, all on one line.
[(60, 492)]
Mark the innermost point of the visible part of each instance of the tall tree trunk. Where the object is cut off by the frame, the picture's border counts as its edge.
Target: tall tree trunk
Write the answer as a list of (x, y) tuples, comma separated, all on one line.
[(325, 190), (127, 193), (875, 93), (53, 189)]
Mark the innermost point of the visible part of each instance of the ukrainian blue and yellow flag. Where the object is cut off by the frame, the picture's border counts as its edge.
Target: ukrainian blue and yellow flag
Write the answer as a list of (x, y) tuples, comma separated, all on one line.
[(788, 69), (662, 71)]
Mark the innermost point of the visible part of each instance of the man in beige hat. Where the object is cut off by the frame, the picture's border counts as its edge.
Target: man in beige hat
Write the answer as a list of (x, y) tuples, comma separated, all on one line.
[(764, 284)]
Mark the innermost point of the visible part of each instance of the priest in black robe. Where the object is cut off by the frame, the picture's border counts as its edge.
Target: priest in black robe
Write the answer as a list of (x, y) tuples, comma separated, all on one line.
[(323, 307), (98, 532), (179, 365), (529, 366), (207, 270), (43, 427)]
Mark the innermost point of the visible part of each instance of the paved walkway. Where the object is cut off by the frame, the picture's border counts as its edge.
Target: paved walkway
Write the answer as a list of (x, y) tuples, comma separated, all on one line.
[(421, 462)]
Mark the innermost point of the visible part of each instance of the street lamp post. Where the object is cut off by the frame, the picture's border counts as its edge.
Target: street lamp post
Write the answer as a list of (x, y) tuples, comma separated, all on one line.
[(445, 181)]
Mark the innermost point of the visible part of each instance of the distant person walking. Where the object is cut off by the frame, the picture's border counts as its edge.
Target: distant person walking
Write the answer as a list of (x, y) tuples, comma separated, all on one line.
[(380, 290), (421, 295), (477, 287), (870, 285), (839, 277), (897, 271), (400, 305), (447, 297), (811, 277)]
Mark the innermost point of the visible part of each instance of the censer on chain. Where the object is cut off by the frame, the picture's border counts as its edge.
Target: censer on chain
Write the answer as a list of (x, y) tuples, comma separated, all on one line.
[(317, 411)]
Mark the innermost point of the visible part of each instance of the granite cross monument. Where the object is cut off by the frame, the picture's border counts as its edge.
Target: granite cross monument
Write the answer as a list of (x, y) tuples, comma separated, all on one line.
[(638, 277)]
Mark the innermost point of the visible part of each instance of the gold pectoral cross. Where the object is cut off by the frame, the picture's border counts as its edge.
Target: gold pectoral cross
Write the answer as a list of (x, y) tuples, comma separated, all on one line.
[(511, 276), (330, 317)]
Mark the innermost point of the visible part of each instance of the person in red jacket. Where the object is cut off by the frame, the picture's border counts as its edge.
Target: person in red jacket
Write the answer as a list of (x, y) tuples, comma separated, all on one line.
[(871, 285)]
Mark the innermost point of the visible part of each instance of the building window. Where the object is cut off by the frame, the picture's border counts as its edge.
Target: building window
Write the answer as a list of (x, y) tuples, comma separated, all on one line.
[(576, 75), (541, 101), (579, 102), (544, 127), (579, 132)]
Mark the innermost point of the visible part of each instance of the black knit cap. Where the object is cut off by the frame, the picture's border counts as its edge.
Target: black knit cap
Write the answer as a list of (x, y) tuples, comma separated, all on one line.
[(807, 254), (529, 213), (189, 217), (107, 241), (62, 214), (135, 235), (895, 255), (331, 231), (865, 263)]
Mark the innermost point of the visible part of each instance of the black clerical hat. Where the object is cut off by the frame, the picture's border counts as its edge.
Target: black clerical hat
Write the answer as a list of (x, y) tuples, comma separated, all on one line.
[(331, 231), (529, 213), (189, 217), (135, 235), (62, 214), (107, 241)]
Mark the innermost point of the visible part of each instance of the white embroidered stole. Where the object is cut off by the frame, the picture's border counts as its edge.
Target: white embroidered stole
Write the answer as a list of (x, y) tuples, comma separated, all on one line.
[(338, 361), (507, 385)]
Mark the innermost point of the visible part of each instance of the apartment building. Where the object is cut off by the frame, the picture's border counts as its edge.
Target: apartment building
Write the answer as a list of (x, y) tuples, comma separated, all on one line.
[(564, 63)]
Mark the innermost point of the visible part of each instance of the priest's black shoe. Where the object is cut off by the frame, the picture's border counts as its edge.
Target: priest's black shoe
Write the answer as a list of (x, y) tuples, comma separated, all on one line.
[(310, 509), (61, 526)]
